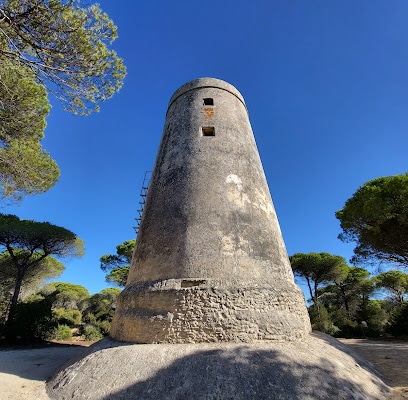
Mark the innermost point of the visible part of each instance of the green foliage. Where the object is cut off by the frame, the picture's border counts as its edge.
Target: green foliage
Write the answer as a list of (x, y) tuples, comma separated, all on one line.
[(118, 276), (91, 332), (41, 237), (376, 219), (90, 318), (4, 301), (398, 322), (66, 48), (31, 321), (320, 319), (342, 305), (318, 268), (349, 291), (374, 316), (395, 282), (118, 264), (368, 320), (25, 168), (100, 310), (61, 332), (111, 294), (30, 243), (47, 268), (57, 46), (102, 304), (66, 295), (104, 327), (346, 326), (67, 316)]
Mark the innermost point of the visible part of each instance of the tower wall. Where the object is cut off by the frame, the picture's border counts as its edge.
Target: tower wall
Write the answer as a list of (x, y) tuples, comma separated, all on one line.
[(210, 263)]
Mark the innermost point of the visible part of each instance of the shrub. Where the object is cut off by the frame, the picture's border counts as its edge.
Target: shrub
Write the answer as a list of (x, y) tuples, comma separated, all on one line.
[(32, 321), (91, 332), (89, 318), (398, 322), (346, 327), (375, 317), (62, 332), (104, 327), (67, 316), (320, 319)]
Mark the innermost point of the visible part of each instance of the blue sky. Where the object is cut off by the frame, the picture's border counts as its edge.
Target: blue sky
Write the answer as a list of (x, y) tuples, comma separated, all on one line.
[(325, 84)]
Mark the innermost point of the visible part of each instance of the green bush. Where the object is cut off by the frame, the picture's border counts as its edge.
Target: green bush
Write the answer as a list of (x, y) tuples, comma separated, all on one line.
[(62, 332), (67, 316), (91, 332), (89, 318), (320, 319), (32, 321), (374, 316), (346, 327), (104, 327), (398, 322)]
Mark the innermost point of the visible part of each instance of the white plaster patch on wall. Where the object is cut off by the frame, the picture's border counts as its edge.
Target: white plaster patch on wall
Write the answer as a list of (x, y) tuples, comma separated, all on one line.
[(232, 178), (234, 191)]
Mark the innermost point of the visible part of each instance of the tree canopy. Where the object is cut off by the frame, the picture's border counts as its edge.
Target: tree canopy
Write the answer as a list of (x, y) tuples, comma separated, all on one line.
[(48, 46), (25, 168), (348, 292), (376, 219), (395, 282), (28, 244), (318, 268), (66, 48), (65, 295), (117, 265), (48, 268)]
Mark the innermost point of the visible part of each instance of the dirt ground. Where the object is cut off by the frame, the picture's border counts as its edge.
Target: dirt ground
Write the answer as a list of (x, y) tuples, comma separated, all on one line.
[(23, 371), (390, 358)]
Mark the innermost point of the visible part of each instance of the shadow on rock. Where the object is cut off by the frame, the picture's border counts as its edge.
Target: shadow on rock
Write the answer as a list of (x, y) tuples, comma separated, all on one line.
[(224, 371), (243, 374)]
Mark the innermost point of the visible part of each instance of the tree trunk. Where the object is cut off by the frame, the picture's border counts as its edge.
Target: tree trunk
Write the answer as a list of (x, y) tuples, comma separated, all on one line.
[(310, 288), (345, 300), (14, 299)]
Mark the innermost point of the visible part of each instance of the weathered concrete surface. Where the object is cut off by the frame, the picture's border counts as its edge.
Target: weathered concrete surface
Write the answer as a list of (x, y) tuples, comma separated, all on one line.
[(318, 367), (210, 263)]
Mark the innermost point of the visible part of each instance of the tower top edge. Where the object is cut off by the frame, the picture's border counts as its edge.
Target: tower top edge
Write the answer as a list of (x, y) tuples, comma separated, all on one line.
[(205, 83)]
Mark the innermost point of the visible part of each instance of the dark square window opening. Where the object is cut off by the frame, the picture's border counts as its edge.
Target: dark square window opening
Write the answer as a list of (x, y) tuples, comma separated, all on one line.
[(208, 102), (208, 131)]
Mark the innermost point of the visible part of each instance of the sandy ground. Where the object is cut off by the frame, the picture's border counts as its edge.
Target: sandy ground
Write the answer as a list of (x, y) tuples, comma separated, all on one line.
[(390, 358), (23, 371)]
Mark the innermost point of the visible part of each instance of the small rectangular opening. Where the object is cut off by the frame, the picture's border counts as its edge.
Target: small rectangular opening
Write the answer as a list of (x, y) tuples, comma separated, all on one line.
[(191, 283), (208, 102), (208, 131)]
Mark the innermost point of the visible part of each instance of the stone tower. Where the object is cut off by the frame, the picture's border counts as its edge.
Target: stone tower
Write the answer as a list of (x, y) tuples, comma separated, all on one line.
[(210, 264)]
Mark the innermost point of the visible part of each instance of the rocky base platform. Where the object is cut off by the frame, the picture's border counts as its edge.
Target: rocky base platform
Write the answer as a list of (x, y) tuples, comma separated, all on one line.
[(318, 367)]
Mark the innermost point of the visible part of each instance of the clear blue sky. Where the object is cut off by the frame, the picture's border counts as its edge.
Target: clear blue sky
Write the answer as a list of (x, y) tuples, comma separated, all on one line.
[(325, 84)]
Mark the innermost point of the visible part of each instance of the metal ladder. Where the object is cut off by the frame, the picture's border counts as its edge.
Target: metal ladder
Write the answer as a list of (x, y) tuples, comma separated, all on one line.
[(142, 202)]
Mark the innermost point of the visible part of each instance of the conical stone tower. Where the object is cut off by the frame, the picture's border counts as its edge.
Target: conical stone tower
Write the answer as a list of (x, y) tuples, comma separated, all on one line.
[(210, 264)]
